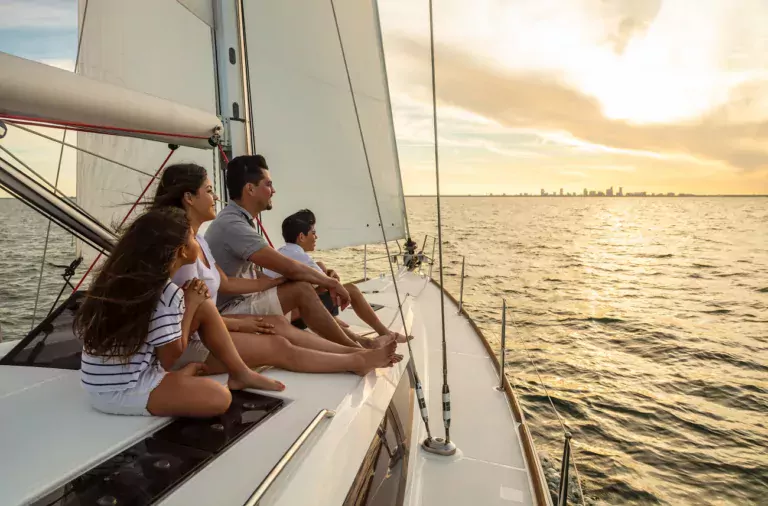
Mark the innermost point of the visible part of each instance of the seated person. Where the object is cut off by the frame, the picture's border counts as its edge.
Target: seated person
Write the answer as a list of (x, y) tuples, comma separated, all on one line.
[(260, 340), (300, 237), (137, 325), (239, 249)]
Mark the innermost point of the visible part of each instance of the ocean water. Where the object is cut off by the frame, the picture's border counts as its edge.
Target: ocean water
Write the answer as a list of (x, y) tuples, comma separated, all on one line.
[(646, 320)]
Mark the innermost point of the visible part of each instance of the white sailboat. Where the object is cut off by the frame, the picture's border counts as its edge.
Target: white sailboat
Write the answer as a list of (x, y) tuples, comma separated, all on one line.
[(272, 77)]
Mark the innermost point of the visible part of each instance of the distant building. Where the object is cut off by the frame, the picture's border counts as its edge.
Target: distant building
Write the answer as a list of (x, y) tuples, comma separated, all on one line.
[(592, 193), (585, 192), (621, 192), (561, 192), (609, 191), (543, 193), (671, 194), (600, 194)]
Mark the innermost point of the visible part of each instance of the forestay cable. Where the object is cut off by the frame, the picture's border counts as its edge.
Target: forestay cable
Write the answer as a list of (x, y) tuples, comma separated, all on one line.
[(418, 387)]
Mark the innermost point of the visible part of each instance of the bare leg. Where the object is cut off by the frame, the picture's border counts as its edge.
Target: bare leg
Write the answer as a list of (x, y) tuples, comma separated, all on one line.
[(367, 314), (275, 350), (300, 337), (216, 338), (301, 295), (183, 393)]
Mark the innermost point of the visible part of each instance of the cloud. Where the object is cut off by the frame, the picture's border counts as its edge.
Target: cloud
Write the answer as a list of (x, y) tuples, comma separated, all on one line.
[(519, 99), (37, 14)]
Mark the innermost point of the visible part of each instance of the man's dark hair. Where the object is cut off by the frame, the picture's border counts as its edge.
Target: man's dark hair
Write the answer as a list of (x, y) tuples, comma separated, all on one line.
[(243, 170), (297, 223)]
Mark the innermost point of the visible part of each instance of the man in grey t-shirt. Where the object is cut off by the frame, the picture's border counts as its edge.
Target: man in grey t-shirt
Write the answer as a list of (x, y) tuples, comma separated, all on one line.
[(238, 248)]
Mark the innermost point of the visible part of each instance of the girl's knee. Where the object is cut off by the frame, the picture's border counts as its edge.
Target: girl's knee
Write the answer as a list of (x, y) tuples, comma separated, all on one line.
[(221, 398)]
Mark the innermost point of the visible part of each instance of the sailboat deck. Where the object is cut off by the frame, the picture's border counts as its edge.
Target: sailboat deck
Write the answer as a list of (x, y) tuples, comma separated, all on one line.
[(68, 437)]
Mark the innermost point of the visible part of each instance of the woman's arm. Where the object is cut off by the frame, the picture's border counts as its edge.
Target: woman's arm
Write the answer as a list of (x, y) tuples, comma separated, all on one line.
[(237, 286)]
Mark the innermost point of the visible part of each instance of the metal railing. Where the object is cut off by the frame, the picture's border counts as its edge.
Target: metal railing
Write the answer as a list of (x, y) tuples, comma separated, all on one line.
[(287, 456), (562, 497), (366, 259)]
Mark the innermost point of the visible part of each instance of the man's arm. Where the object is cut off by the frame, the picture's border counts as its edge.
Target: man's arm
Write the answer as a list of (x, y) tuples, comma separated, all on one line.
[(237, 286), (270, 259)]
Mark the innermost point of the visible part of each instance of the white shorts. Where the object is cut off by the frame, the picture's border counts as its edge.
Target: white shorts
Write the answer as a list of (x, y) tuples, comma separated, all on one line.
[(260, 303), (195, 352), (132, 401)]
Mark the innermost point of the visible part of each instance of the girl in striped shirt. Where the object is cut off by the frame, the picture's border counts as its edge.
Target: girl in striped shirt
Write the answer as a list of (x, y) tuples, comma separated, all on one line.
[(135, 324)]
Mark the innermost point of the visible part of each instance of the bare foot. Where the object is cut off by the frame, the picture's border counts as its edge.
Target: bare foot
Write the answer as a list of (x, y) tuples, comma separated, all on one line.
[(400, 337), (372, 359), (396, 358), (252, 379), (378, 342)]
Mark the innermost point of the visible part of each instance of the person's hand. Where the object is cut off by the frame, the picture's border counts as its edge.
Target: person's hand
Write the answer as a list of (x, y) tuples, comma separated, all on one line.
[(332, 273), (339, 295), (195, 293), (278, 281), (254, 325)]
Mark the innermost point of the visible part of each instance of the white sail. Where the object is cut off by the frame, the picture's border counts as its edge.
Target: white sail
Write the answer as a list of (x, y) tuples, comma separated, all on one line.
[(304, 121), (158, 47)]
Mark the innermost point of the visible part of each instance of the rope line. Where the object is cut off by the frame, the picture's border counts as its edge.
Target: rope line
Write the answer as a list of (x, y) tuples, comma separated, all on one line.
[(419, 389), (551, 403), (56, 182), (446, 389), (173, 148), (258, 220)]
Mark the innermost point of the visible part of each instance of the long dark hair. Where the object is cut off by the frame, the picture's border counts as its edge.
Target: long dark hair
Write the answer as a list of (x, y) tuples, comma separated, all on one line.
[(177, 180), (114, 318)]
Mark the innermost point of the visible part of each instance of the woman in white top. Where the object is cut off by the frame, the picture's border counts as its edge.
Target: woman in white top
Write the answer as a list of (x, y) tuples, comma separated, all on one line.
[(261, 340), (135, 324)]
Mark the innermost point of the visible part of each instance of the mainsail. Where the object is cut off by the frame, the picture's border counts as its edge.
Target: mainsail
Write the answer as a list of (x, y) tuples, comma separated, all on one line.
[(304, 121), (159, 47)]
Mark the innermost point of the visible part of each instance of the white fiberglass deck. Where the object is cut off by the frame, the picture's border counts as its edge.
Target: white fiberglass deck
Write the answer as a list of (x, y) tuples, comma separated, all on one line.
[(490, 468)]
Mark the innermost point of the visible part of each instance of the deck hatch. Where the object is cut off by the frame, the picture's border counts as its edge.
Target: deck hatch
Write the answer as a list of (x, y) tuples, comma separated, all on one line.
[(150, 469)]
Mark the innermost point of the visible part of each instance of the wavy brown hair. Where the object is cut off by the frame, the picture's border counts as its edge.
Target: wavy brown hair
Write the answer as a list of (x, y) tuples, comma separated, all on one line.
[(177, 180), (113, 320)]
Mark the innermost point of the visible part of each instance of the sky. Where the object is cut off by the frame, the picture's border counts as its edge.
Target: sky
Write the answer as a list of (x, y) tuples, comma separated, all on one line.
[(652, 95)]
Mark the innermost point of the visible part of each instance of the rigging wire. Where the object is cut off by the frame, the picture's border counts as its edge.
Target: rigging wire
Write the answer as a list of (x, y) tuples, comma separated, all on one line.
[(446, 389), (551, 403), (418, 386), (56, 183), (173, 148), (78, 148)]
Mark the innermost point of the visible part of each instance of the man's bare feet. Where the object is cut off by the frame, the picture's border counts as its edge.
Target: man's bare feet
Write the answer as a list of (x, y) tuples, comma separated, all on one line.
[(252, 379), (372, 359), (377, 342)]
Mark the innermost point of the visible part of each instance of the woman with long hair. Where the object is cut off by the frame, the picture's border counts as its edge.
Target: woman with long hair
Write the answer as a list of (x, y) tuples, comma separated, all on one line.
[(136, 323), (261, 340)]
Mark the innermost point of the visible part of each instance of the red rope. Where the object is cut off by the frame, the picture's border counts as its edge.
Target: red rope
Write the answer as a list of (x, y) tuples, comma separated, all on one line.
[(263, 230), (85, 127), (125, 218)]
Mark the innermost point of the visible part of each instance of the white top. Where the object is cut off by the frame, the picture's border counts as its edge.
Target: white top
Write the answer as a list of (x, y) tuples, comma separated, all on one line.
[(295, 252), (210, 275), (109, 374)]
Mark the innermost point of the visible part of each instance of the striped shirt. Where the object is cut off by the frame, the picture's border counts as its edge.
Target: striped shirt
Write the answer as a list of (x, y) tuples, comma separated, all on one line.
[(110, 374)]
